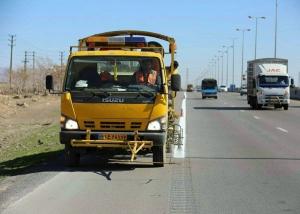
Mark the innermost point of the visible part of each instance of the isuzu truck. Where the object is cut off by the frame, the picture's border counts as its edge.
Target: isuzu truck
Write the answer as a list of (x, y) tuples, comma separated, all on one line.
[(115, 96)]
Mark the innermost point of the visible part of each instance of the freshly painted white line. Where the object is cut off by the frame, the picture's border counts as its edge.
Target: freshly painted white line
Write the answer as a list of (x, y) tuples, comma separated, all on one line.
[(256, 117), (179, 151), (283, 130)]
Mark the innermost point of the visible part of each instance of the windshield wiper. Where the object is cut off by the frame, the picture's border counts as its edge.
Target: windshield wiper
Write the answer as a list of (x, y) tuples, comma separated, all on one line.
[(101, 94), (147, 94)]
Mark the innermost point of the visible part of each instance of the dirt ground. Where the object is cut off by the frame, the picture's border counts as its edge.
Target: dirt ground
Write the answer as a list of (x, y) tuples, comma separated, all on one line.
[(20, 115)]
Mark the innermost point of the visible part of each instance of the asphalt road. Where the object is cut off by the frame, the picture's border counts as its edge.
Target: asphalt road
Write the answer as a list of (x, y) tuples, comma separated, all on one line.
[(234, 160)]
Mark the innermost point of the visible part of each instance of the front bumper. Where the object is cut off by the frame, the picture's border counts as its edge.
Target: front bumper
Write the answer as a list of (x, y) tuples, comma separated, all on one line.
[(79, 138), (272, 100), (209, 94)]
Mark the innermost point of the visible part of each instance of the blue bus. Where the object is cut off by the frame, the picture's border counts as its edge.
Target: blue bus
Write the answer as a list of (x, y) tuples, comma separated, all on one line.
[(209, 88)]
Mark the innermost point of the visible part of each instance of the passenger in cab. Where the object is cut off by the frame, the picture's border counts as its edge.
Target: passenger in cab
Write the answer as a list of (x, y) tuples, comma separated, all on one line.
[(105, 76), (146, 75)]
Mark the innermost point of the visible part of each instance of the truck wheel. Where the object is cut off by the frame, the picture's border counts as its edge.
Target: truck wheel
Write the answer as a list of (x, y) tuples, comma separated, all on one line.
[(203, 97), (72, 158), (286, 107), (159, 154)]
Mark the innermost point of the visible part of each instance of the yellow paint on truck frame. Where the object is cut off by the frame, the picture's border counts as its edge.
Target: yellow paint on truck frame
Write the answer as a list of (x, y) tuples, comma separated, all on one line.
[(67, 106)]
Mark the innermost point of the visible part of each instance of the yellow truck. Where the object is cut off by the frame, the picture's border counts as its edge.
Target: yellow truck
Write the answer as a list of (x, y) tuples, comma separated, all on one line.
[(118, 96)]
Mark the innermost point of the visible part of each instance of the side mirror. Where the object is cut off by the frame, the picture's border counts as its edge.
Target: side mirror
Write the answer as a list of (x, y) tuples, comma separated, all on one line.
[(49, 82), (292, 83), (175, 82)]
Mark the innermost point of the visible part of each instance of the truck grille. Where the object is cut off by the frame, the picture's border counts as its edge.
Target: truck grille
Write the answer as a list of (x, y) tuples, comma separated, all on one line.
[(112, 125), (274, 98), (89, 124), (136, 125)]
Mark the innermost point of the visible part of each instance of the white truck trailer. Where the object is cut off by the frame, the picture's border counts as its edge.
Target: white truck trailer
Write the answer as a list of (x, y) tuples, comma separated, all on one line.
[(268, 83)]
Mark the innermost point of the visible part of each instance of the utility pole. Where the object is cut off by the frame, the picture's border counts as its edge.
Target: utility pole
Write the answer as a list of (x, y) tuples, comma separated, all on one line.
[(233, 61), (256, 18), (222, 56), (275, 49), (33, 68), (187, 77), (24, 76), (33, 61), (243, 38), (25, 62), (61, 67), (226, 67), (227, 53), (218, 69), (11, 40)]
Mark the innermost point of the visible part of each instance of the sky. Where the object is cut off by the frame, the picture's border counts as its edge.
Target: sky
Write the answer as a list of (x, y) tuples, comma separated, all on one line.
[(200, 27)]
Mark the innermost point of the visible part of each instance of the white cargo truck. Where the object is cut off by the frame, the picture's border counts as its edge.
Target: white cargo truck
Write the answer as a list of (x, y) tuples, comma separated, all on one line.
[(268, 83)]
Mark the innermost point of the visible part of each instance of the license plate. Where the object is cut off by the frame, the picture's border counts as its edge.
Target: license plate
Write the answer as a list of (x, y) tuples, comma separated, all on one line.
[(112, 136)]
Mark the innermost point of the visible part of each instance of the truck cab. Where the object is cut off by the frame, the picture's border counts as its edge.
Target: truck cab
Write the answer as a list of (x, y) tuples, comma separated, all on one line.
[(268, 83), (115, 96)]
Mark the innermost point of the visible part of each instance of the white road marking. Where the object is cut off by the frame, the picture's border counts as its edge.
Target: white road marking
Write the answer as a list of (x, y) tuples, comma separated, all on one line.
[(283, 130), (256, 117), (242, 110), (179, 151)]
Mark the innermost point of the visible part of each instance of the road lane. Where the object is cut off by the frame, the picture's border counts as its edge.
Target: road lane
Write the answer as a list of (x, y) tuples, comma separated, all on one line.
[(237, 160), (241, 164), (95, 188)]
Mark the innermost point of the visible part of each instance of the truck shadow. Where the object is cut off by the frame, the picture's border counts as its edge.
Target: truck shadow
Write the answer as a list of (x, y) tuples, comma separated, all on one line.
[(54, 162)]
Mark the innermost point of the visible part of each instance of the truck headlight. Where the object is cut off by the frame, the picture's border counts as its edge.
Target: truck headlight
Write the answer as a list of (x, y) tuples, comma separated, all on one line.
[(71, 124), (158, 125), (154, 126)]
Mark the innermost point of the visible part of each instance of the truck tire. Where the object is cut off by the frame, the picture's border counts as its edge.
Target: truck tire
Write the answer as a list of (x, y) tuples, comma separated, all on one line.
[(159, 154), (286, 107), (72, 158), (203, 97)]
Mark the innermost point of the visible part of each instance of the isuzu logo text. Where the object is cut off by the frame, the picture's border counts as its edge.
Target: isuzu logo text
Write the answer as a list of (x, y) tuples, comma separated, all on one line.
[(113, 100)]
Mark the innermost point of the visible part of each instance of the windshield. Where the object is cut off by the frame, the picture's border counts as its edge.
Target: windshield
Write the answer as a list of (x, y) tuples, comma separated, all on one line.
[(273, 81), (209, 84), (119, 74)]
